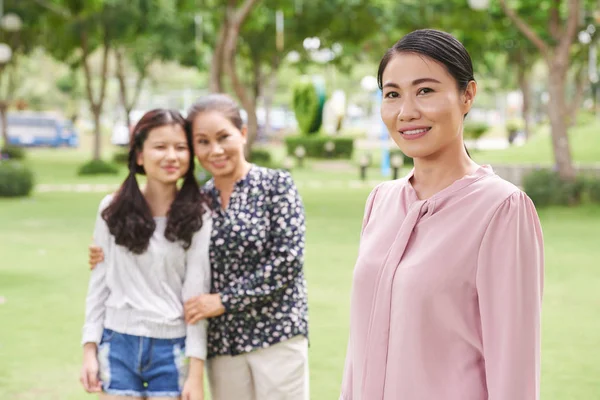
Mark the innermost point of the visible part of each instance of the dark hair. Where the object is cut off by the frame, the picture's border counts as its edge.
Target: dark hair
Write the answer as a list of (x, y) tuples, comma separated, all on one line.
[(437, 45), (128, 216), (216, 102)]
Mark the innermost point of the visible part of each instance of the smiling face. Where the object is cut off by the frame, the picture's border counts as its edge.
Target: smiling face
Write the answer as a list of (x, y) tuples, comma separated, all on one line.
[(218, 144), (165, 155), (422, 106)]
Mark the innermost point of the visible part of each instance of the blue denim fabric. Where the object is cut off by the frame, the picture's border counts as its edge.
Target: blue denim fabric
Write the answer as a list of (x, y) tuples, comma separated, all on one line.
[(141, 366)]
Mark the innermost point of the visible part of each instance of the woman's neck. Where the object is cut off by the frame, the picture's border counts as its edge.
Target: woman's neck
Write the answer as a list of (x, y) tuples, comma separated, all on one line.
[(159, 196), (436, 173), (226, 183)]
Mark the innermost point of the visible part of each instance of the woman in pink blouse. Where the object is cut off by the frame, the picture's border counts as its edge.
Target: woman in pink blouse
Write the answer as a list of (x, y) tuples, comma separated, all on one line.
[(447, 290)]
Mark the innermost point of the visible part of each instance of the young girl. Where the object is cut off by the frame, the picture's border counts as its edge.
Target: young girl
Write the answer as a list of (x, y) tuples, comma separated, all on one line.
[(155, 244), (447, 291)]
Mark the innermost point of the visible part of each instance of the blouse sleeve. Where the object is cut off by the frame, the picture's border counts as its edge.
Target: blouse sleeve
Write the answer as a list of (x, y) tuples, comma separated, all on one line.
[(509, 287), (285, 260), (197, 282), (98, 291), (346, 392)]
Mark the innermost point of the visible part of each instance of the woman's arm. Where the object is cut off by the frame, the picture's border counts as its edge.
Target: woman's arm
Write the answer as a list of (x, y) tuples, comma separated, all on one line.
[(509, 286)]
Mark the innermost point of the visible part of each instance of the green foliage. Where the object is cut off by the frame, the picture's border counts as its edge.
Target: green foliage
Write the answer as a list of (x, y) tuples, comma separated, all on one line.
[(121, 157), (97, 167), (515, 125), (308, 103), (315, 146), (261, 157), (16, 180), (546, 188), (474, 130), (592, 187), (13, 152)]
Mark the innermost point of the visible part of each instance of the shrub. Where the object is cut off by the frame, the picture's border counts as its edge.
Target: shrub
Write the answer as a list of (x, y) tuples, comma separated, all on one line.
[(593, 189), (546, 188), (16, 180), (315, 146), (13, 152), (121, 157), (261, 157), (474, 130), (308, 99), (98, 167)]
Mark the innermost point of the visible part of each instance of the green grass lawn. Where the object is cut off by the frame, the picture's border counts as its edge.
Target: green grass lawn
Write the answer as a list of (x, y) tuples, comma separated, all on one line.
[(43, 278), (584, 141)]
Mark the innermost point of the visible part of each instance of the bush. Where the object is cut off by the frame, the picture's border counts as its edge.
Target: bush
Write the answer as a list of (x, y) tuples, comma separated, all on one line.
[(13, 152), (16, 180), (308, 99), (98, 167), (474, 130), (315, 146), (546, 188), (593, 189), (261, 157), (121, 157)]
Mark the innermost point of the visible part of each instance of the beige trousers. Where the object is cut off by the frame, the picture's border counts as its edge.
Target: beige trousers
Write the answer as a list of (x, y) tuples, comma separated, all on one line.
[(279, 372)]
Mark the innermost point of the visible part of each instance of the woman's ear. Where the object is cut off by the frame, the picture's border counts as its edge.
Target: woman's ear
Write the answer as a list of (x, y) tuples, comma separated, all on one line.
[(468, 96), (139, 158), (244, 132)]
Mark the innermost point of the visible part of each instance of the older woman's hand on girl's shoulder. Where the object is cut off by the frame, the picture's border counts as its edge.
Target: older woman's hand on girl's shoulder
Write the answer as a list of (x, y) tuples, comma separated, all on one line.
[(96, 255), (202, 307)]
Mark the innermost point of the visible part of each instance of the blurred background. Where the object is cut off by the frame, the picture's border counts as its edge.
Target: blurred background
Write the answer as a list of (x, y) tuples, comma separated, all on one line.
[(76, 75)]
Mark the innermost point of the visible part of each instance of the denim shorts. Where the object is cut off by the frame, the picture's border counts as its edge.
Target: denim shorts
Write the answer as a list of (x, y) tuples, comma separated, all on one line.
[(141, 366)]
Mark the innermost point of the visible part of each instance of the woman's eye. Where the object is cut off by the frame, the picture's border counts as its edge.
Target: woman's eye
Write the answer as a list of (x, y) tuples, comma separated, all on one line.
[(391, 95), (223, 137), (202, 141), (425, 91)]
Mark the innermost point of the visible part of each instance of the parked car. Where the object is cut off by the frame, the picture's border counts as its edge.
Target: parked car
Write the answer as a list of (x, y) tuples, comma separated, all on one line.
[(33, 129)]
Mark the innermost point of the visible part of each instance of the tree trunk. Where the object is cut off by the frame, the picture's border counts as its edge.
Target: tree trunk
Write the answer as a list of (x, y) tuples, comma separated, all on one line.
[(97, 132), (95, 105), (3, 108), (558, 125), (252, 128), (216, 65)]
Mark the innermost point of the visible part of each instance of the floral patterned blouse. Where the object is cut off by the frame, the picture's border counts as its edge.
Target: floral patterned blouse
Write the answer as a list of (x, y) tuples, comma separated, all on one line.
[(257, 256)]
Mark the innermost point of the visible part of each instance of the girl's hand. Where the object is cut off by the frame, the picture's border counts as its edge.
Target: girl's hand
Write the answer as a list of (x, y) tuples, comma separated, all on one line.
[(89, 371), (202, 307), (96, 255)]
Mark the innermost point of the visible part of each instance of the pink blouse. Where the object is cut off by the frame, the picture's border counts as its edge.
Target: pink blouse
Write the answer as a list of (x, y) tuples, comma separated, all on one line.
[(447, 294)]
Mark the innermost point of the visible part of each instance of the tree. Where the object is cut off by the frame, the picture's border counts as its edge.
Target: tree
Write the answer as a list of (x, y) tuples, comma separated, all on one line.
[(153, 33), (557, 55), (74, 29)]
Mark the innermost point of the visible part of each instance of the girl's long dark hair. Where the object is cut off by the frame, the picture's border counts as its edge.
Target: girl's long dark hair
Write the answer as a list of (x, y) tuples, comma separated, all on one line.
[(128, 216)]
